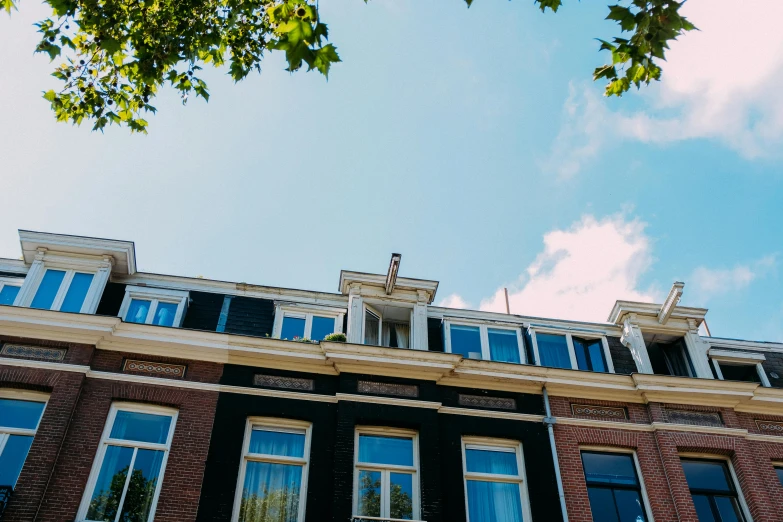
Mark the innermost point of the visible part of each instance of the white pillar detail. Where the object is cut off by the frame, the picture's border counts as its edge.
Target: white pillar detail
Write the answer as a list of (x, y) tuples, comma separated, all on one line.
[(632, 338), (97, 286), (697, 349), (355, 315), (419, 331), (31, 280)]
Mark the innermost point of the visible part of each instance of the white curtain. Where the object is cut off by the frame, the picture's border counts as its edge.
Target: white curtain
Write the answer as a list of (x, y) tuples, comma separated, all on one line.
[(494, 502), (403, 335)]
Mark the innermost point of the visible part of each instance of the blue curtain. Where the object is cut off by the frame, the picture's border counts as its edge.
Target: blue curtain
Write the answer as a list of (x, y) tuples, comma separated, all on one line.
[(553, 350), (143, 427), (497, 462), (386, 450), (12, 458), (164, 315), (137, 311), (270, 493), (494, 502), (77, 291), (277, 443), (465, 339), (503, 345)]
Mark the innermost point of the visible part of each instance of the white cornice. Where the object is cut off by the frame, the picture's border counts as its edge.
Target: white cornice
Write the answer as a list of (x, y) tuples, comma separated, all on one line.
[(123, 252), (522, 320), (16, 266), (651, 310), (402, 284)]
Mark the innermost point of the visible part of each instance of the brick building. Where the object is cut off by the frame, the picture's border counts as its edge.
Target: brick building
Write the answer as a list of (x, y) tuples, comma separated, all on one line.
[(130, 396)]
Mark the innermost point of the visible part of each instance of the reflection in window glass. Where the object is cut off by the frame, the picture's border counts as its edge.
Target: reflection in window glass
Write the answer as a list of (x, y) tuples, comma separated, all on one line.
[(712, 489), (267, 442), (77, 291), (503, 345), (18, 422), (465, 340), (322, 326), (553, 350), (12, 458), (47, 290), (164, 314), (8, 294), (386, 450), (137, 311), (20, 414), (613, 487), (141, 427), (369, 493), (589, 354), (293, 328), (380, 491)]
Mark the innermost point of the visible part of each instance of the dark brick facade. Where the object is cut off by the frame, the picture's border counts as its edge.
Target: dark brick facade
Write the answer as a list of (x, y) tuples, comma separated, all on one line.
[(621, 356)]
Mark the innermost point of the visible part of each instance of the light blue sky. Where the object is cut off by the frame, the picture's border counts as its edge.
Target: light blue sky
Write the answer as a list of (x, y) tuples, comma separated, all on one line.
[(458, 137)]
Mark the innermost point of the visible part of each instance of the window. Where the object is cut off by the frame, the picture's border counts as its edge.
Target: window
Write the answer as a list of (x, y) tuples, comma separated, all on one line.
[(732, 365), (613, 487), (779, 471), (386, 482), (272, 483), (578, 351), (712, 488), (128, 470), (670, 358), (298, 323), (63, 290), (491, 343), (386, 325), (9, 289), (156, 306), (20, 413), (495, 485)]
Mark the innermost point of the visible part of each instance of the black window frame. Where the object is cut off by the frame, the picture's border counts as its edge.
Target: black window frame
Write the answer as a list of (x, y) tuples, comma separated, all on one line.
[(626, 487), (712, 493)]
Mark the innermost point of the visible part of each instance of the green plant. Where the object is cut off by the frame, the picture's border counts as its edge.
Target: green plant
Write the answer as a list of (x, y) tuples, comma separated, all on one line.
[(336, 338)]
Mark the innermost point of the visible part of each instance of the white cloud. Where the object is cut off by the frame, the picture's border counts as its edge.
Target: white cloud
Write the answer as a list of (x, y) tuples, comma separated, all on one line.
[(709, 282), (722, 82), (453, 301)]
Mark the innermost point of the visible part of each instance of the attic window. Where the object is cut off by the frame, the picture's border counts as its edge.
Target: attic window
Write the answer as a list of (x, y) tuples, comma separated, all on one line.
[(156, 306), (294, 321), (9, 288), (729, 365)]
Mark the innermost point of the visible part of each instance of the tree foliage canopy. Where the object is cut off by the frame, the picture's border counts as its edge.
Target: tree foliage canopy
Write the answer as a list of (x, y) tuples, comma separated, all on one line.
[(119, 53)]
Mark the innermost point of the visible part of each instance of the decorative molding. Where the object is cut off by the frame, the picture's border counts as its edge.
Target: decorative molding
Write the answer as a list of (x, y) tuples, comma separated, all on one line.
[(478, 401), (773, 427), (39, 353), (287, 383), (599, 411), (389, 401), (171, 371), (382, 388), (693, 418)]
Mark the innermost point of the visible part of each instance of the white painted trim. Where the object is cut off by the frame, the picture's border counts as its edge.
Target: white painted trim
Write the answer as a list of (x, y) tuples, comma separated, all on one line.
[(735, 356), (637, 467), (389, 401), (274, 424), (484, 336), (502, 446), (491, 414), (386, 469), (732, 359), (569, 335), (306, 312), (44, 365), (106, 441), (11, 281), (155, 296), (727, 460)]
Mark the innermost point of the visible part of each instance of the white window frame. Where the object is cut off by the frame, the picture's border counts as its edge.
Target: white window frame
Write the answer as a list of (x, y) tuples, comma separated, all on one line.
[(484, 335), (369, 307), (306, 312), (738, 359), (65, 285), (181, 298), (386, 470), (711, 456), (570, 342), (278, 425), (11, 281), (637, 467), (21, 395), (498, 445), (106, 441)]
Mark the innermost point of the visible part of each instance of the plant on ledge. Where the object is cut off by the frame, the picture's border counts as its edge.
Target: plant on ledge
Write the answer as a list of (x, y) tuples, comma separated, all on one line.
[(336, 338)]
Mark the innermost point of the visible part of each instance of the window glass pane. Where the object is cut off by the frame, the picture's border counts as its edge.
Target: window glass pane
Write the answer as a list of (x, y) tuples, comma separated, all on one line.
[(12, 458), (322, 326), (602, 505), (705, 474), (143, 427), (779, 471), (8, 294), (401, 496), (141, 488), (497, 462), (465, 340), (106, 496), (270, 493), (494, 502), (553, 350), (703, 509), (589, 354), (596, 352), (47, 290), (293, 328), (629, 505), (386, 450), (582, 357), (277, 443), (609, 468), (369, 503), (739, 372), (137, 311), (20, 414), (77, 291), (728, 509), (164, 314), (503, 345), (371, 326)]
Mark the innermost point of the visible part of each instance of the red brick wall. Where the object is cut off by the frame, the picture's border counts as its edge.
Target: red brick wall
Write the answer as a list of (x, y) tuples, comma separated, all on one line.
[(197, 371)]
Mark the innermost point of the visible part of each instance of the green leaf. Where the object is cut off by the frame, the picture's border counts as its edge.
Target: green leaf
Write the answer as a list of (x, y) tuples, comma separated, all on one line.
[(8, 5), (50, 96), (324, 58)]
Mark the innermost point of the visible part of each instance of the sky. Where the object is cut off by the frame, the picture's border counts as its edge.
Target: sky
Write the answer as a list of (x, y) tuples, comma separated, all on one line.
[(471, 141)]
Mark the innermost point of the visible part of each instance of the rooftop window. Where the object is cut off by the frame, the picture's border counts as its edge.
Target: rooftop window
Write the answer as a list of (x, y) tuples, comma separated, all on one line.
[(155, 306), (500, 343), (293, 321), (570, 350)]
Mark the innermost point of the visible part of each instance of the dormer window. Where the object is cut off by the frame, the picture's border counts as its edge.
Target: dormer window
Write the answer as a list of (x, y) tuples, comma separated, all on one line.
[(730, 365), (481, 341), (9, 289), (63, 290), (386, 325), (155, 306), (294, 321), (571, 350)]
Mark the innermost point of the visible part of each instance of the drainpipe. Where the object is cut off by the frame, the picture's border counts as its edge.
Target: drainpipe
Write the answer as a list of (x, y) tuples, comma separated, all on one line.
[(550, 421)]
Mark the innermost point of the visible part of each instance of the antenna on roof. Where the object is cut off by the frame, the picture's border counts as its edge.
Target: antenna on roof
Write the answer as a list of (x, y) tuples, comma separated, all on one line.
[(391, 275)]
